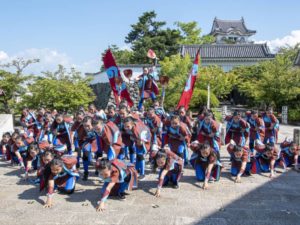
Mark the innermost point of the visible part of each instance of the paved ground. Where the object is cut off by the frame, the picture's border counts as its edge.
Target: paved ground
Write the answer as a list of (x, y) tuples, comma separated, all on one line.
[(257, 200)]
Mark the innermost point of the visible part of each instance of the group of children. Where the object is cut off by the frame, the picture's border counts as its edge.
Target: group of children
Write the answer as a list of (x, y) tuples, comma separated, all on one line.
[(120, 141)]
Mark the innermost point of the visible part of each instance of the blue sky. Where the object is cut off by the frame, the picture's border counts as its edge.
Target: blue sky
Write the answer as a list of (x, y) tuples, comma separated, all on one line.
[(75, 32)]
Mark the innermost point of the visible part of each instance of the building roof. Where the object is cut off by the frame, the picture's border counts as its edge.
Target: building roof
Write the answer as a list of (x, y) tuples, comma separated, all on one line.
[(230, 26), (297, 60), (228, 51)]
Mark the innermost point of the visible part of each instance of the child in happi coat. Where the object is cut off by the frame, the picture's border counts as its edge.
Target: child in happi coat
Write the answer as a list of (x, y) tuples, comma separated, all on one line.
[(28, 121), (237, 129), (171, 168), (155, 125), (89, 144), (33, 160), (159, 111), (205, 163), (257, 128), (92, 110), (178, 137), (147, 87), (290, 153), (271, 127), (77, 135), (117, 176), (20, 148), (5, 146), (40, 120), (46, 157), (60, 174), (241, 162), (127, 148), (45, 132), (140, 135), (185, 118), (110, 139), (14, 148), (112, 115), (61, 132), (268, 158), (209, 131)]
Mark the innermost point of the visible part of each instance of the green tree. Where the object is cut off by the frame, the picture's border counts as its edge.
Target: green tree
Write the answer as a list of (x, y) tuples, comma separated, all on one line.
[(279, 83), (147, 34), (19, 64), (13, 84), (121, 56), (221, 83), (61, 90), (191, 34), (248, 77), (271, 83), (177, 69)]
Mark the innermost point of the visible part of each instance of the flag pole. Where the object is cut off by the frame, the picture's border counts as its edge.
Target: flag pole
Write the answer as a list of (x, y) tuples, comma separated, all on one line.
[(208, 96)]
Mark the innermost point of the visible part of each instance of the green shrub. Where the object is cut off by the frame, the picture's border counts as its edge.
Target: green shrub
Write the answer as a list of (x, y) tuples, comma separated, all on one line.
[(294, 115)]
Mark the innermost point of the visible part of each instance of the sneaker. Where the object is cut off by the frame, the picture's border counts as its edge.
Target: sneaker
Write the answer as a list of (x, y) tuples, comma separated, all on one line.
[(21, 164), (175, 186), (232, 142), (85, 176), (247, 173), (122, 196), (142, 177), (211, 180)]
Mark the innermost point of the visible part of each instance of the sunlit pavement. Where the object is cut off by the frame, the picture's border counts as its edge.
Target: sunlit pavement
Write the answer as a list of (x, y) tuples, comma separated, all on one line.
[(257, 200)]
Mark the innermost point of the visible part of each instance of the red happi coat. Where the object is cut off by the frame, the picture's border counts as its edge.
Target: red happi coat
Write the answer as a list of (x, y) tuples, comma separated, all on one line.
[(80, 133), (176, 139), (261, 149), (171, 159), (126, 137), (64, 136), (155, 124), (204, 162), (187, 120), (235, 133), (6, 147), (69, 163), (174, 165), (286, 153), (212, 127), (111, 136), (149, 86), (30, 128), (268, 131), (141, 134), (119, 171), (259, 124), (38, 127), (237, 163)]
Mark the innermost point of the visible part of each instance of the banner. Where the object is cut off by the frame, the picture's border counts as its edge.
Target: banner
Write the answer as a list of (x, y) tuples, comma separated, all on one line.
[(117, 85), (187, 93)]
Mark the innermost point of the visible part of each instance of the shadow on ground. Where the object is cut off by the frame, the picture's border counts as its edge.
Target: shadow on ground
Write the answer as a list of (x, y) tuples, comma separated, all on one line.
[(277, 202)]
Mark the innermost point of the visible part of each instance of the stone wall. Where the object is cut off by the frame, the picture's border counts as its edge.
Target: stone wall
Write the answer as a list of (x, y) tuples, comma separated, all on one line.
[(105, 96)]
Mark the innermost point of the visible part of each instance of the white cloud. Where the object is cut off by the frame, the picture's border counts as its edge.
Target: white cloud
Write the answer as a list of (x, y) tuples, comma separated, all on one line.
[(290, 40), (49, 60), (3, 55)]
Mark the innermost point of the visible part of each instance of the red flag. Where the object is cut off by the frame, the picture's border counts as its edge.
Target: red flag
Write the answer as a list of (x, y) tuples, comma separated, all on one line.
[(113, 73), (151, 54), (187, 93)]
